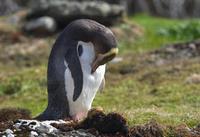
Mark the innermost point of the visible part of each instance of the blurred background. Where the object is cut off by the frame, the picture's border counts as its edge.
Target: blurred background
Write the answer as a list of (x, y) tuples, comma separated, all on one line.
[(155, 76)]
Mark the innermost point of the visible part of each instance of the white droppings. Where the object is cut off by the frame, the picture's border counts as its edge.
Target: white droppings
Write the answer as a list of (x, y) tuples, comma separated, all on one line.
[(7, 133), (34, 125), (33, 134), (41, 129)]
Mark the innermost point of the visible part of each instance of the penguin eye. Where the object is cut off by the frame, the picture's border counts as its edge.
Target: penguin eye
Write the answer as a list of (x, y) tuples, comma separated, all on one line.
[(80, 50)]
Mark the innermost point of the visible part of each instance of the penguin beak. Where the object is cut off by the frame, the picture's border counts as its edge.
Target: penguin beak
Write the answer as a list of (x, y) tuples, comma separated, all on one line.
[(103, 58)]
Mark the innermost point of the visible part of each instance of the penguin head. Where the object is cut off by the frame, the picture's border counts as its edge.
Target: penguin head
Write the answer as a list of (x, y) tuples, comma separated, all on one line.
[(102, 39), (105, 47)]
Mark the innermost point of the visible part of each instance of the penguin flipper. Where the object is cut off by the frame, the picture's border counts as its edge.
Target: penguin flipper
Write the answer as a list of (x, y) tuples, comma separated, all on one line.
[(74, 65), (101, 87)]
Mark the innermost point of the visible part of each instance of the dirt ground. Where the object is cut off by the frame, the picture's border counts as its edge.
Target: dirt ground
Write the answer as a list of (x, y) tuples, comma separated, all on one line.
[(104, 125)]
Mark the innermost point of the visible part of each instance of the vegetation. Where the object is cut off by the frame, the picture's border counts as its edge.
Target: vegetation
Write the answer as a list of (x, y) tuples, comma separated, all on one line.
[(161, 31), (138, 90)]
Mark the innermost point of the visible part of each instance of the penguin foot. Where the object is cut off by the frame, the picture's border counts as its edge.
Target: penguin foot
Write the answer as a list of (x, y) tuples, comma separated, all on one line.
[(80, 116)]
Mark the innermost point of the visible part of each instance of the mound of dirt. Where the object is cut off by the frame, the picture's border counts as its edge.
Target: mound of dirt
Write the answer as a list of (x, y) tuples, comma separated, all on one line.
[(96, 124), (151, 129), (99, 124)]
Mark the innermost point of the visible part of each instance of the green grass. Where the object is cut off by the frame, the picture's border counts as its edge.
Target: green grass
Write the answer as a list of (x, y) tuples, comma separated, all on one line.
[(29, 89), (153, 33), (163, 96), (151, 93)]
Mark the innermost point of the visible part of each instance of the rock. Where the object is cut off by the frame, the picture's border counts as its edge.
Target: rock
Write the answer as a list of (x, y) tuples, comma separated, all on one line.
[(64, 11), (40, 26), (7, 133), (166, 8), (193, 79), (42, 129), (7, 7), (33, 134)]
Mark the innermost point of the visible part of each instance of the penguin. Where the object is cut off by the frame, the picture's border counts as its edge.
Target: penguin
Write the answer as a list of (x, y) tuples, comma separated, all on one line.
[(76, 69)]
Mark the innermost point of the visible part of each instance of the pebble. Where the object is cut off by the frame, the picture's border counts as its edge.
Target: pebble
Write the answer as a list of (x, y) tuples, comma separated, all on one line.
[(33, 134), (7, 133), (193, 79)]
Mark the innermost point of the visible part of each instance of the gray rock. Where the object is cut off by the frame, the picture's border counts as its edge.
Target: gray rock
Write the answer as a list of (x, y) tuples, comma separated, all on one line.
[(42, 26), (7, 133), (166, 8), (33, 134), (8, 6), (193, 79), (64, 11)]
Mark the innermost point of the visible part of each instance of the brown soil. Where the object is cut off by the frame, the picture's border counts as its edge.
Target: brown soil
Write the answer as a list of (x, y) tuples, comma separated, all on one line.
[(104, 125), (9, 115)]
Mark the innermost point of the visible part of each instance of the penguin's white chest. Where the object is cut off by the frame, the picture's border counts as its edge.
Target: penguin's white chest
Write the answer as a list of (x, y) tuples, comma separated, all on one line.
[(91, 82)]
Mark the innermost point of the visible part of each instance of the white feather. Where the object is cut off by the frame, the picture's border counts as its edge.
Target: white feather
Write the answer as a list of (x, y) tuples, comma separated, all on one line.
[(91, 82)]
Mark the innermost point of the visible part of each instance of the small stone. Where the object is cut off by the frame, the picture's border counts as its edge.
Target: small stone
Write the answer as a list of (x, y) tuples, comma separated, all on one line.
[(170, 49), (192, 46), (9, 131), (41, 26), (160, 62), (193, 79), (8, 7), (33, 134)]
